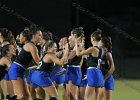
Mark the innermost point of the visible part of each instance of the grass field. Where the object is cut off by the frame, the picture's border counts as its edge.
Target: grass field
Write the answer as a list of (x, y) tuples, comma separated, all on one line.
[(124, 90), (127, 90)]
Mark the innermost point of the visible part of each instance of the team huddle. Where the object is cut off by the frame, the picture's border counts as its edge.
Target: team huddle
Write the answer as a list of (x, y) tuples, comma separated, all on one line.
[(36, 66)]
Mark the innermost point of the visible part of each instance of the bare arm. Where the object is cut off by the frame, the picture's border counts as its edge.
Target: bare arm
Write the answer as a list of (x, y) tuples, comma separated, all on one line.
[(57, 60), (86, 52), (63, 59), (111, 65), (59, 53)]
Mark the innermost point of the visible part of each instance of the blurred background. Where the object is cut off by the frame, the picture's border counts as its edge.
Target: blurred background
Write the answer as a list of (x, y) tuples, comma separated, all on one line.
[(119, 19)]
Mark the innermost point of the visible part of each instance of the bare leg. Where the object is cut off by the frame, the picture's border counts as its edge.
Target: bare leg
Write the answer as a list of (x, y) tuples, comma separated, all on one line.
[(8, 86), (1, 93), (51, 90), (19, 87), (40, 93), (57, 87), (101, 93), (96, 94), (82, 93), (108, 94), (32, 91), (67, 92), (74, 90), (89, 92)]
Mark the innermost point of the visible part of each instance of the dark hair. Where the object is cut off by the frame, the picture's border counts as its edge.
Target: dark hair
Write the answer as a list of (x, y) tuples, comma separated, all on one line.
[(8, 36), (26, 34), (4, 50), (97, 34), (34, 29), (47, 36), (107, 43), (78, 31), (12, 40), (49, 44), (4, 32)]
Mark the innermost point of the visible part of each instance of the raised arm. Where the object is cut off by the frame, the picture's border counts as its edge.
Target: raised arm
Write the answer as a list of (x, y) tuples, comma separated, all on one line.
[(85, 52), (63, 59)]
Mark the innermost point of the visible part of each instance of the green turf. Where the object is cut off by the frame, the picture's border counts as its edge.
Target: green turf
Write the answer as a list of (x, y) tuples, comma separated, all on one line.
[(124, 90), (127, 90)]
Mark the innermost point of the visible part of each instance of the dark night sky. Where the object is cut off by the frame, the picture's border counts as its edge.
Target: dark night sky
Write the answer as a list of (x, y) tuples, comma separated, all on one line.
[(49, 14), (59, 17)]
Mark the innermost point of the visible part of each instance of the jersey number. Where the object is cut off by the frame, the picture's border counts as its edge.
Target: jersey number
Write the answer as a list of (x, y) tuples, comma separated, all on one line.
[(40, 64)]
